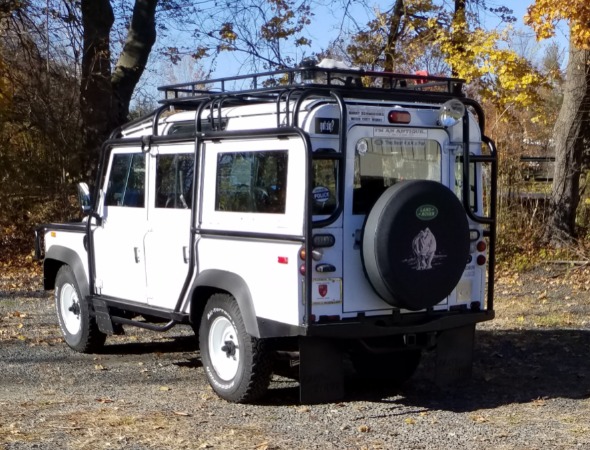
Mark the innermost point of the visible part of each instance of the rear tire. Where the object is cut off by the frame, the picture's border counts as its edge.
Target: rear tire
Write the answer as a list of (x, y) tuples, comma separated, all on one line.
[(78, 326), (238, 366), (415, 244)]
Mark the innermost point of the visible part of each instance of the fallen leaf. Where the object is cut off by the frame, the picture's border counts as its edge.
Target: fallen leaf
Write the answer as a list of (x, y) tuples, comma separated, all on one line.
[(364, 428), (181, 413), (164, 388), (99, 367), (410, 421)]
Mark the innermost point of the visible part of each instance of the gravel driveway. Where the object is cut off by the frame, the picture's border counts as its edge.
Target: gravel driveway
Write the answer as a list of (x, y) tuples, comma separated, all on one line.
[(530, 389)]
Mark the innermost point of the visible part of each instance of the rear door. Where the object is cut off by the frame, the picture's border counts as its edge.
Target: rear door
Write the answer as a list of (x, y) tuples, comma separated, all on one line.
[(377, 158), (169, 214)]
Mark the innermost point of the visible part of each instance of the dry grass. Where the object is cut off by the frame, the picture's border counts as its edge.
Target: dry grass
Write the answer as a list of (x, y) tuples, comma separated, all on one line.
[(543, 299)]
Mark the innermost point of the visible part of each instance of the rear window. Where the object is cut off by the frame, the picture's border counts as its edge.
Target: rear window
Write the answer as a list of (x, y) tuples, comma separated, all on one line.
[(382, 162)]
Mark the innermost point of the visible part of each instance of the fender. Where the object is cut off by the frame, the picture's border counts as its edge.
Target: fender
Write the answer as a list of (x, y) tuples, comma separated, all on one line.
[(237, 287), (55, 256)]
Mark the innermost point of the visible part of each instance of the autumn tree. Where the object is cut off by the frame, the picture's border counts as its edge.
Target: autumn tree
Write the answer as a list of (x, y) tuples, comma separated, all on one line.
[(259, 34), (572, 129), (422, 34), (399, 38)]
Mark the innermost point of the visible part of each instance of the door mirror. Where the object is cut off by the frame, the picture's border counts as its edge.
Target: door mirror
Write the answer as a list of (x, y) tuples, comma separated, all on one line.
[(84, 198)]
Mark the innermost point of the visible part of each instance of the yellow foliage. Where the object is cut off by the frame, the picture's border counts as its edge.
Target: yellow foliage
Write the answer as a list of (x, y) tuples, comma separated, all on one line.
[(543, 15), (502, 76), (398, 40)]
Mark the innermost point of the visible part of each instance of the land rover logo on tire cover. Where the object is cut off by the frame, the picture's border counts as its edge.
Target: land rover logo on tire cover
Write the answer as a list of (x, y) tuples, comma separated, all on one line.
[(427, 212)]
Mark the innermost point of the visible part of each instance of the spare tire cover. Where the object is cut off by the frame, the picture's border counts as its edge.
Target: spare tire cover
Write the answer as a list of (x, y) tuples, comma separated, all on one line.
[(415, 244)]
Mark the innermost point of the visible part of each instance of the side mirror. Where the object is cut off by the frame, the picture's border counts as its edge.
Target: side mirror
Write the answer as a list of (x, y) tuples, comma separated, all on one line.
[(84, 198)]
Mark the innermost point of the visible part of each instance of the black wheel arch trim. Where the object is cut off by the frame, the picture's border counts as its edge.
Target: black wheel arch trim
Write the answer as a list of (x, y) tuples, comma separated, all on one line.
[(234, 285), (55, 257)]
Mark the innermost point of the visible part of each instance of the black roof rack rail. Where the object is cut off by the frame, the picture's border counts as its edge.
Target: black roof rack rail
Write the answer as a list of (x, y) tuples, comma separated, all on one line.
[(266, 86)]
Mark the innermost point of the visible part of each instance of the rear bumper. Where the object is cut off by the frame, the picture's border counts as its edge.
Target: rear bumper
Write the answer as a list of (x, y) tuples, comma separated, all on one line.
[(404, 324)]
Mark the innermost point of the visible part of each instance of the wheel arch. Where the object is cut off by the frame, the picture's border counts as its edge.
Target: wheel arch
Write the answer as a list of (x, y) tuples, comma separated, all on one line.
[(213, 281), (58, 256)]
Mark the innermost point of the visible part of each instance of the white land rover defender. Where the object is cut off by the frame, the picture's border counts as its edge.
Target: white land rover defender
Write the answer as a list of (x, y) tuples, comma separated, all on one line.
[(327, 215)]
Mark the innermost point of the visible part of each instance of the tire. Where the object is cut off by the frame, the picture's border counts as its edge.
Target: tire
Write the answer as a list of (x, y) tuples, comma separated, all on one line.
[(238, 366), (415, 244), (393, 369), (77, 325)]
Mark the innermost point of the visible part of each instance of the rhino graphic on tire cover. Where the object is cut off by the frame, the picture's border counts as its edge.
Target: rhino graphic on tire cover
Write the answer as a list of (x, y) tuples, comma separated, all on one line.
[(424, 247)]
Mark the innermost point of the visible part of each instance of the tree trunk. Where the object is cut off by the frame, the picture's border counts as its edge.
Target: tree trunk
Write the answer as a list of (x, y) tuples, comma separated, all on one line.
[(394, 31), (105, 94), (460, 30), (570, 132), (133, 59), (95, 89)]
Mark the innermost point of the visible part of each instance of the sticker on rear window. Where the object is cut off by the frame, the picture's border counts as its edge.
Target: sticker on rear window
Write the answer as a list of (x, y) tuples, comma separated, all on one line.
[(400, 132)]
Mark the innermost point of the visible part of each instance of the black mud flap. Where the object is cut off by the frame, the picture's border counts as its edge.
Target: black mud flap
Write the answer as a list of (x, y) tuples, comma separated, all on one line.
[(454, 355), (321, 378), (103, 317)]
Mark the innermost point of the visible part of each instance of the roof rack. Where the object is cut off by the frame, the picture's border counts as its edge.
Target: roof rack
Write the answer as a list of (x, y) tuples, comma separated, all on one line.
[(268, 85)]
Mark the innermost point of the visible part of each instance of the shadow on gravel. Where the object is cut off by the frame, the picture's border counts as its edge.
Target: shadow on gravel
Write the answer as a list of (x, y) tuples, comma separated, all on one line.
[(509, 367), (178, 344), (516, 366)]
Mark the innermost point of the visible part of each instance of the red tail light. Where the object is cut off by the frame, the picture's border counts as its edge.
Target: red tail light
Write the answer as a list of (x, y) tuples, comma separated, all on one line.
[(399, 117)]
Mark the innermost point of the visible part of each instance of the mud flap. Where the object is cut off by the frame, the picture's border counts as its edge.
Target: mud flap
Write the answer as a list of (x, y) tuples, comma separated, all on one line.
[(103, 318), (454, 355), (321, 378)]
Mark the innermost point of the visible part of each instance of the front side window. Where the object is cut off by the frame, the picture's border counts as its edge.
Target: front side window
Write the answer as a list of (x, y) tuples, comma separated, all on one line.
[(382, 162), (253, 182), (126, 184), (174, 181)]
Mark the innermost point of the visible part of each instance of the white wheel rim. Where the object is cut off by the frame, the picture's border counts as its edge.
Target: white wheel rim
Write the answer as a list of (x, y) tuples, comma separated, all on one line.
[(224, 349), (69, 308)]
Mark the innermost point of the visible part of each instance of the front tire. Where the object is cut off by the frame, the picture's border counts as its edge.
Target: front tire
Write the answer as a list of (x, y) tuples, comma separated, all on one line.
[(78, 327), (238, 366)]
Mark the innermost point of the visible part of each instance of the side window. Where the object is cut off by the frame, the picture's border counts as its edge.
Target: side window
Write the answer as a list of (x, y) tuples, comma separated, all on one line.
[(174, 180), (253, 182), (459, 182), (126, 185), (325, 173)]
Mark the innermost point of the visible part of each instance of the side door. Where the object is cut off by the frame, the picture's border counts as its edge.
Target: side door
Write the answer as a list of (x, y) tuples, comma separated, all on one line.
[(169, 214), (119, 240)]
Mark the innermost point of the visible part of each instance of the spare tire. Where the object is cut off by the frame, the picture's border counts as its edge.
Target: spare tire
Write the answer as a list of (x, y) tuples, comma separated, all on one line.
[(415, 244)]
